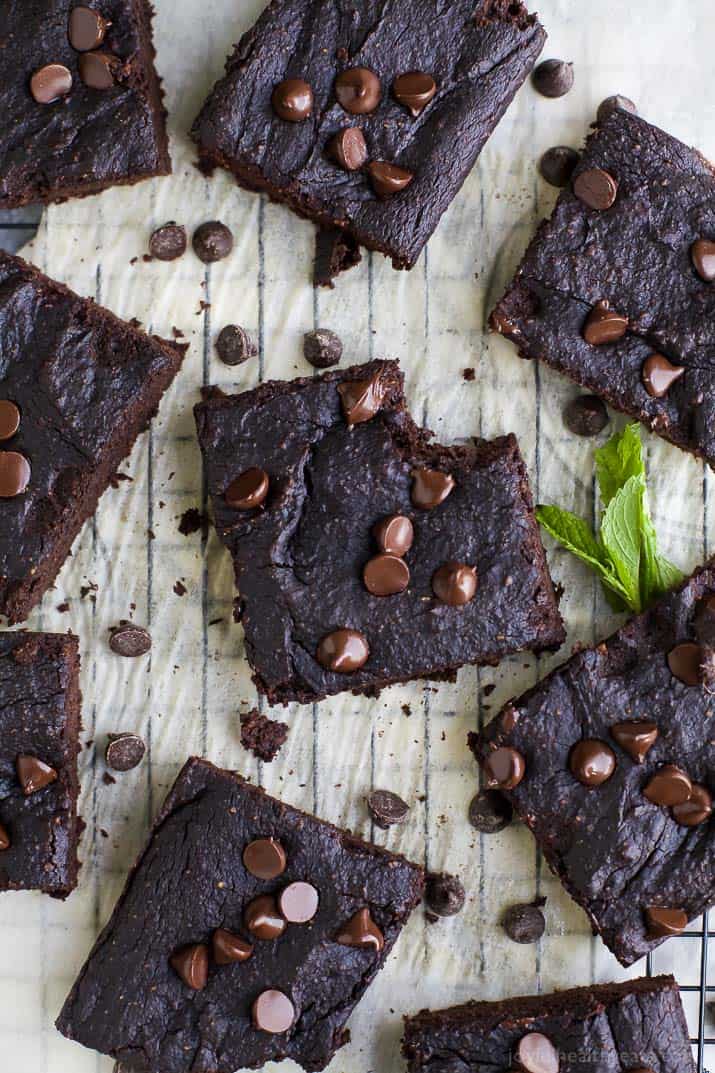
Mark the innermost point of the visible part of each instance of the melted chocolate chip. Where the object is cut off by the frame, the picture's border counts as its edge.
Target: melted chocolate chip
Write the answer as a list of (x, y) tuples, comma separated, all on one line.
[(386, 575), (361, 399), (635, 738), (444, 894), (592, 762), (292, 100), (358, 90), (524, 924), (348, 149), (343, 651), (265, 858), (263, 918), (87, 28), (322, 348), (191, 964), (430, 487), (34, 774), (298, 902), (169, 242), (234, 345), (604, 325), (455, 584), (9, 419), (703, 255), (586, 415), (616, 103), (4, 839), (96, 69), (272, 1012), (415, 90), (490, 812), (394, 534), (504, 768), (229, 948), (558, 164), (669, 787), (696, 810), (50, 83), (124, 751), (247, 491), (659, 375), (129, 640), (212, 241), (361, 931), (537, 1054), (685, 661), (386, 808), (553, 78), (14, 474), (665, 922), (596, 189), (388, 179)]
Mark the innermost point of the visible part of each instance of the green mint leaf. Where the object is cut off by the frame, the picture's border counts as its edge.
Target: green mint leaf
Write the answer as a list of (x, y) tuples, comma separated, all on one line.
[(622, 536), (619, 460), (658, 574), (576, 535)]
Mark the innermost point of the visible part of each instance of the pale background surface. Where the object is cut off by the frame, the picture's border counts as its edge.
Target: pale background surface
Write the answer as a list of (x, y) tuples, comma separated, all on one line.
[(185, 698)]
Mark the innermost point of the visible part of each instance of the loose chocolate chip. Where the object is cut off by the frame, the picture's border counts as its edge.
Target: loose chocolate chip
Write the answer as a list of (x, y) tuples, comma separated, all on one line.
[(191, 964), (394, 534), (348, 148), (87, 29), (234, 345), (96, 69), (704, 621), (616, 103), (596, 189), (272, 1012), (702, 252), (504, 768), (490, 812), (265, 858), (9, 419), (604, 325), (129, 640), (343, 651), (4, 839), (586, 415), (247, 491), (386, 575), (14, 474), (455, 583), (322, 348), (684, 661), (415, 90), (665, 922), (592, 762), (292, 100), (524, 923), (50, 83), (558, 164), (361, 399), (124, 752), (388, 179), (263, 918), (358, 90), (697, 809), (212, 241), (298, 902), (659, 375), (34, 774), (637, 739), (553, 78), (229, 948), (386, 808), (669, 787), (168, 242), (537, 1054), (444, 894), (361, 931), (430, 487)]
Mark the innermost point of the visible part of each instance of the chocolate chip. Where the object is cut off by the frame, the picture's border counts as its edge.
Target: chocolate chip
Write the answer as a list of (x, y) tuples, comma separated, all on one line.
[(51, 82), (14, 474), (263, 918), (4, 839), (322, 348), (537, 1054), (415, 90), (394, 534), (704, 620), (444, 894), (292, 100), (348, 148), (635, 738), (358, 90), (586, 415), (430, 487), (684, 661), (696, 810), (388, 179), (124, 751), (168, 242), (361, 931), (361, 399), (212, 241), (272, 1012), (234, 345), (343, 651), (229, 948), (9, 419), (490, 812), (524, 923), (455, 583), (386, 808), (96, 69), (553, 78), (558, 164), (265, 858), (616, 103), (34, 774), (191, 964), (604, 325), (596, 189), (298, 902), (247, 491), (665, 922), (504, 768), (386, 575), (87, 28), (659, 375), (669, 787), (592, 762), (129, 640), (702, 252)]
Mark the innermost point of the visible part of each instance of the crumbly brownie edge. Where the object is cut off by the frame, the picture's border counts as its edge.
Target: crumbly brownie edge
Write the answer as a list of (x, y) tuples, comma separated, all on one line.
[(69, 647)]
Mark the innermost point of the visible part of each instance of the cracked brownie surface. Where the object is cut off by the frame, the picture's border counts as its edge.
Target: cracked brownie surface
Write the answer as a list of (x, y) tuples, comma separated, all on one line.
[(195, 877), (300, 556)]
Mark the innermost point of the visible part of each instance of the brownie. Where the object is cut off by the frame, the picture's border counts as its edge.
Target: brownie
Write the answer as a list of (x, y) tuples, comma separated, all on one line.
[(610, 761), (77, 386), (305, 478), (82, 103), (638, 1026), (621, 298), (262, 736), (39, 732), (419, 86), (247, 932)]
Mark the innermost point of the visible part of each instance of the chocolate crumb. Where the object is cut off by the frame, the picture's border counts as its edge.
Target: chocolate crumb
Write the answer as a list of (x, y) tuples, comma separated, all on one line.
[(262, 736), (180, 589), (469, 374), (191, 521)]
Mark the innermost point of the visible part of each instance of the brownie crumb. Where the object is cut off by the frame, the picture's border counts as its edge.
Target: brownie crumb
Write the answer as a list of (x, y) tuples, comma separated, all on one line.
[(116, 478), (191, 521), (85, 590), (108, 779), (180, 589), (469, 374), (335, 251), (63, 608), (262, 736)]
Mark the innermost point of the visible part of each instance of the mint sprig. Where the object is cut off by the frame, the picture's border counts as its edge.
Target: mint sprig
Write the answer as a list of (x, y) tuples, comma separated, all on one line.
[(624, 555)]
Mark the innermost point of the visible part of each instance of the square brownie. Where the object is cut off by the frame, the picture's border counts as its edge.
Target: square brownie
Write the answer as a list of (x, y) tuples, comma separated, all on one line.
[(617, 288), (39, 741), (610, 761), (367, 116), (82, 103), (247, 933), (77, 386), (638, 1026), (363, 553)]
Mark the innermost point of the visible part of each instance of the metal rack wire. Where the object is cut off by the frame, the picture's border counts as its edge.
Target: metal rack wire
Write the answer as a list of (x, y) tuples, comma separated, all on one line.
[(704, 991)]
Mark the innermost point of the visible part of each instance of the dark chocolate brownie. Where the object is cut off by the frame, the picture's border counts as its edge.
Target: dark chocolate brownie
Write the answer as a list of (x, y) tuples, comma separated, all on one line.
[(77, 386), (632, 230), (422, 86), (633, 1027), (82, 104), (610, 761), (304, 477), (39, 731), (247, 932)]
